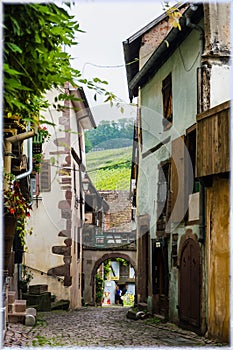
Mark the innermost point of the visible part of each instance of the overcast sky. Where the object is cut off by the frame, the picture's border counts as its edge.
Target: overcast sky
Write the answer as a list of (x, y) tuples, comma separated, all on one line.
[(107, 24)]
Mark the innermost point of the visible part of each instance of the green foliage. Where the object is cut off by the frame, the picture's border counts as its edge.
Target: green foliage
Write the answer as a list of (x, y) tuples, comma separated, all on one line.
[(46, 341), (15, 204), (122, 261), (88, 145), (35, 61), (110, 169), (27, 274), (117, 179), (107, 268), (153, 320), (99, 288), (109, 134), (114, 143)]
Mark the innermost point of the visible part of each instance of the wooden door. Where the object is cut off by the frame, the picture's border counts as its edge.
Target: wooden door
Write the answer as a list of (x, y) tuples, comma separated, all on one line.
[(143, 264), (189, 291)]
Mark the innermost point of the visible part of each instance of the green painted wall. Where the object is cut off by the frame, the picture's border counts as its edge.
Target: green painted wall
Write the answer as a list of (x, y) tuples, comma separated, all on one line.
[(183, 66)]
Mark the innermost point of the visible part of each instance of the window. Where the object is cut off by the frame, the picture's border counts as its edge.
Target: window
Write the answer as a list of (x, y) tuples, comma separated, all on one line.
[(167, 102), (45, 176)]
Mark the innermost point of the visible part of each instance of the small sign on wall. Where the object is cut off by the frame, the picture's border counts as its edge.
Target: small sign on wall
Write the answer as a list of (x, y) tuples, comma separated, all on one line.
[(194, 206)]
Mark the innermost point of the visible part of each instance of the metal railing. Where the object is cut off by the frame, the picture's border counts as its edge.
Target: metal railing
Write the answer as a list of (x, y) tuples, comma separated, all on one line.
[(95, 238)]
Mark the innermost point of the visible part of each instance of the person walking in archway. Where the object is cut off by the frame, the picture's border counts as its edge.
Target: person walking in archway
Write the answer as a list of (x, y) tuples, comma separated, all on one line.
[(117, 295)]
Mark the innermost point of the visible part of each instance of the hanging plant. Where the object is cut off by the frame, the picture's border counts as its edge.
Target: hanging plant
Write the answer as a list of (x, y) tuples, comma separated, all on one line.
[(15, 204), (42, 135), (37, 160), (16, 212)]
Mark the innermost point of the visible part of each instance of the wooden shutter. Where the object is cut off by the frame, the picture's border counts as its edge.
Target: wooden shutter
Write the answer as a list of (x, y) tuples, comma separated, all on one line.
[(167, 100), (178, 200), (45, 176)]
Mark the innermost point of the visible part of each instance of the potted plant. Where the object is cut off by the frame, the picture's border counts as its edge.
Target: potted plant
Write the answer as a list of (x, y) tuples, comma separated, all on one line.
[(41, 136), (27, 276), (16, 211)]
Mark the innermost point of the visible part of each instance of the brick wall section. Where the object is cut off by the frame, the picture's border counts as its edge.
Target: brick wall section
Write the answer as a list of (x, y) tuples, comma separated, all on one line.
[(120, 210), (153, 38)]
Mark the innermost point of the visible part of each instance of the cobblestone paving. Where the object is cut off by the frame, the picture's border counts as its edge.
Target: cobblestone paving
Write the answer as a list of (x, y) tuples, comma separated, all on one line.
[(100, 327)]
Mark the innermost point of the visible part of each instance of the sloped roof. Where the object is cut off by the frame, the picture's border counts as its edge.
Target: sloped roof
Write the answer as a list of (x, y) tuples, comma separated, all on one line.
[(83, 111), (175, 37)]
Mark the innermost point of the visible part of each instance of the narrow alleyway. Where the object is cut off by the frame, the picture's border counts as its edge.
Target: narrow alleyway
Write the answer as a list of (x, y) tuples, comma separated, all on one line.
[(102, 327)]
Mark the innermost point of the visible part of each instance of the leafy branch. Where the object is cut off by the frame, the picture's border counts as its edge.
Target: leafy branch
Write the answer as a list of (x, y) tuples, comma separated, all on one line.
[(35, 60)]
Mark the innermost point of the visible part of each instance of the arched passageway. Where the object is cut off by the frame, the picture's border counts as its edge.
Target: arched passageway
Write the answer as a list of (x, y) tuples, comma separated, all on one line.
[(91, 265), (110, 256)]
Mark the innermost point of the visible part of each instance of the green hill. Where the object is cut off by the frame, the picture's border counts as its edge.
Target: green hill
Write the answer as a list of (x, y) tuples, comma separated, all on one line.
[(110, 169)]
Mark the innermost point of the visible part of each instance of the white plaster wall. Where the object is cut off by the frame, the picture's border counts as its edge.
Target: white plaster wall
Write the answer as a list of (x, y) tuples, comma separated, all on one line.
[(183, 66), (47, 222), (148, 176), (44, 236), (220, 82), (184, 90), (184, 115), (46, 216)]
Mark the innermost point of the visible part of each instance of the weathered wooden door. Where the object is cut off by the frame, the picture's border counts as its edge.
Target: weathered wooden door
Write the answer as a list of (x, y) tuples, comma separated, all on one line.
[(160, 277), (189, 291), (143, 264)]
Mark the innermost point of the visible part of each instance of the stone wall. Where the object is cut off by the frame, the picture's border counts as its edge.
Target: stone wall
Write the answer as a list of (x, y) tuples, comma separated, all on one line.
[(120, 210)]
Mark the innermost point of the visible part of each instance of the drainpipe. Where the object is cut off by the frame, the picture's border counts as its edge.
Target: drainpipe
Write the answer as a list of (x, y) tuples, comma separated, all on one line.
[(29, 171), (18, 177), (198, 28), (8, 154), (80, 174), (202, 198), (202, 212), (8, 149)]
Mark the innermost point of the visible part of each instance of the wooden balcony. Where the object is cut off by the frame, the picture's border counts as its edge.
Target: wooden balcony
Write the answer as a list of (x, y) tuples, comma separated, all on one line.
[(213, 141)]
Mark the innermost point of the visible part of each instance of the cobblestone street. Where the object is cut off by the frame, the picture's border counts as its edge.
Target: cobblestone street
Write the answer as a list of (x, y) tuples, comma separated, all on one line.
[(100, 327)]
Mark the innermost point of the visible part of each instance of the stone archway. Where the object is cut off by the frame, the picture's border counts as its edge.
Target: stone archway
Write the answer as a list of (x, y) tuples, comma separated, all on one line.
[(101, 260)]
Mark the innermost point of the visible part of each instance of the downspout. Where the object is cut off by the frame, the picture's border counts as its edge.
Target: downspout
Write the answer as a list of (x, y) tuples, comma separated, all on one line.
[(202, 211), (80, 173), (29, 171), (202, 198), (8, 151), (18, 177), (198, 28)]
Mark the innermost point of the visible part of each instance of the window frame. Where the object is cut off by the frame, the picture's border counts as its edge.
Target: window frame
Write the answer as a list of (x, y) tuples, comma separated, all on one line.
[(167, 102)]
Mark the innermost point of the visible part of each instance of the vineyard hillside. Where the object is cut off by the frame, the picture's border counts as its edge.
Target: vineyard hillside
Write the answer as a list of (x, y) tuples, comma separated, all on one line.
[(110, 169)]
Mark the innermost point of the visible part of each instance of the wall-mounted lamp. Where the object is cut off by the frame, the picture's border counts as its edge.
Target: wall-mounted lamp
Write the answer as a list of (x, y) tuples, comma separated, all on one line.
[(85, 183)]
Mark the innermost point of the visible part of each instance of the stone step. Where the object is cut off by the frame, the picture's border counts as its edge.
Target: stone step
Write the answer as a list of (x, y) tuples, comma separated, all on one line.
[(11, 297), (142, 306), (17, 306), (16, 317), (38, 288), (20, 306)]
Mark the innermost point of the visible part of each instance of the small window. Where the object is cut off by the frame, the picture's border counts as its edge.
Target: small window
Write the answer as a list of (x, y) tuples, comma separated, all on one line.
[(167, 102), (45, 176)]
